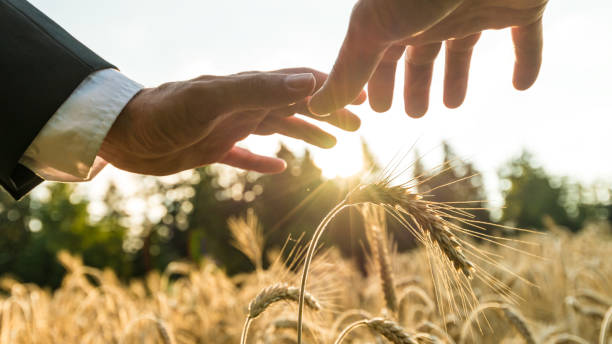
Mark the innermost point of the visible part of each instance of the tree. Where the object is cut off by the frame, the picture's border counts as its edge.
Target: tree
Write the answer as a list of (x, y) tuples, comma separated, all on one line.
[(530, 194), (454, 181)]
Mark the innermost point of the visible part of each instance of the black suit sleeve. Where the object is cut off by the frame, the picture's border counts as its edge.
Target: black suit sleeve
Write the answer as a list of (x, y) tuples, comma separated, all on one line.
[(40, 66)]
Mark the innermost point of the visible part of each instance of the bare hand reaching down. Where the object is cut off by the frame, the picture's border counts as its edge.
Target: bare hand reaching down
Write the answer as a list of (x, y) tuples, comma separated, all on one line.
[(186, 124), (381, 31)]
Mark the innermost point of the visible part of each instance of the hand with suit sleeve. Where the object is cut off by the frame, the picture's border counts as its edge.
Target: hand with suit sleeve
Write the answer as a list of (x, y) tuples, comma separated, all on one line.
[(66, 112), (187, 124), (381, 31)]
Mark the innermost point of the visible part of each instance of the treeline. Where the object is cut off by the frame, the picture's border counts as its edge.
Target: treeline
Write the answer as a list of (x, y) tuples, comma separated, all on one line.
[(186, 217)]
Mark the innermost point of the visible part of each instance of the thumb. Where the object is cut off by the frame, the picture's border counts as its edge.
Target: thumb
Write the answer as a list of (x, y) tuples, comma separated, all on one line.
[(266, 90)]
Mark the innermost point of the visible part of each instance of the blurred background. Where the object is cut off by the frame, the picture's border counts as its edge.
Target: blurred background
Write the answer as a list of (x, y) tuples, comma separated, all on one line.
[(539, 154)]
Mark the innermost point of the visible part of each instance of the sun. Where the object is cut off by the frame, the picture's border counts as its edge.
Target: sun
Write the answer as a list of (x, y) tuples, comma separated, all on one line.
[(344, 160)]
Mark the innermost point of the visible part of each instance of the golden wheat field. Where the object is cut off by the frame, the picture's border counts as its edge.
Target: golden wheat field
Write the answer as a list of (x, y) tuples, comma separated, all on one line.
[(559, 290)]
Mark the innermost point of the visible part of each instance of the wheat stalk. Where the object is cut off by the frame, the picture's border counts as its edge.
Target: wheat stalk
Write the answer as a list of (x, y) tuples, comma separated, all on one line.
[(410, 206), (413, 290), (408, 281), (248, 237), (275, 293), (279, 292), (509, 313), (605, 326), (519, 323), (588, 311), (376, 229), (349, 314), (406, 206), (282, 323), (308, 259), (594, 297), (428, 327), (427, 338), (386, 328), (159, 325)]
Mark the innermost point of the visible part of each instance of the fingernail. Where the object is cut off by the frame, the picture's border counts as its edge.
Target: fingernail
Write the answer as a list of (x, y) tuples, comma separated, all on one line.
[(300, 82), (329, 142)]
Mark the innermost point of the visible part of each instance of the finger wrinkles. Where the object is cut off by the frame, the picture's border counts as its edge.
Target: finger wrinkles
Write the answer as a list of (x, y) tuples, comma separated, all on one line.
[(419, 70), (457, 67), (422, 55), (462, 45)]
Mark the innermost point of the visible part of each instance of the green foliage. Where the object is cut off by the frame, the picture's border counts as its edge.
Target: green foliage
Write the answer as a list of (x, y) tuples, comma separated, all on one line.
[(43, 229), (530, 194), (193, 208)]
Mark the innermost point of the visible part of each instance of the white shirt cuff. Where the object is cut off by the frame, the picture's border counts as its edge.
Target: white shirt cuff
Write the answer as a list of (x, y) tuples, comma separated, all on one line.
[(66, 148)]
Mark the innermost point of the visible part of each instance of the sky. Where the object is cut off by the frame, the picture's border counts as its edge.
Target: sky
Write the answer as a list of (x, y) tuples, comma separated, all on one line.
[(565, 119)]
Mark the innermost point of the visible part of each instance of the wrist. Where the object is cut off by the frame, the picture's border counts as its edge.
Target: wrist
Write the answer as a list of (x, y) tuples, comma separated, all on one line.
[(116, 140)]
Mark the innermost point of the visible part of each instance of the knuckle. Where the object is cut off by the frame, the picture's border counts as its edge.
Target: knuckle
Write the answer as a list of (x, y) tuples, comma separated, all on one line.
[(256, 82), (210, 94), (423, 55)]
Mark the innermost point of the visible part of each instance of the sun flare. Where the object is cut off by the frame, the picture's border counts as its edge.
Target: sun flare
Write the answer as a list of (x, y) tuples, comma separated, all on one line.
[(344, 160)]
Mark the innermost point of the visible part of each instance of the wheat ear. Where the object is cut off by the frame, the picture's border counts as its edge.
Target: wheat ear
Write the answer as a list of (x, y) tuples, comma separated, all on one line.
[(386, 328), (413, 290), (274, 293), (605, 326), (513, 317), (519, 323), (403, 203), (159, 325), (374, 218), (409, 205), (428, 327), (248, 238)]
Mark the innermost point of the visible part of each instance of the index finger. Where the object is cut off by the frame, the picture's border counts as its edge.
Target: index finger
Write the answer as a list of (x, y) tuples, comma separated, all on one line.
[(354, 66), (528, 43)]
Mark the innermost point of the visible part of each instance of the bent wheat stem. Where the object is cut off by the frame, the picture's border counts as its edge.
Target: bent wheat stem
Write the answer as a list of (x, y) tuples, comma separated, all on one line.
[(386, 328), (605, 326), (245, 330), (349, 328), (274, 293), (309, 254)]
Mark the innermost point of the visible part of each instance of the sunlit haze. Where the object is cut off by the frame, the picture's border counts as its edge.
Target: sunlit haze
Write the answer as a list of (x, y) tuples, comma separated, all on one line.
[(565, 119)]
